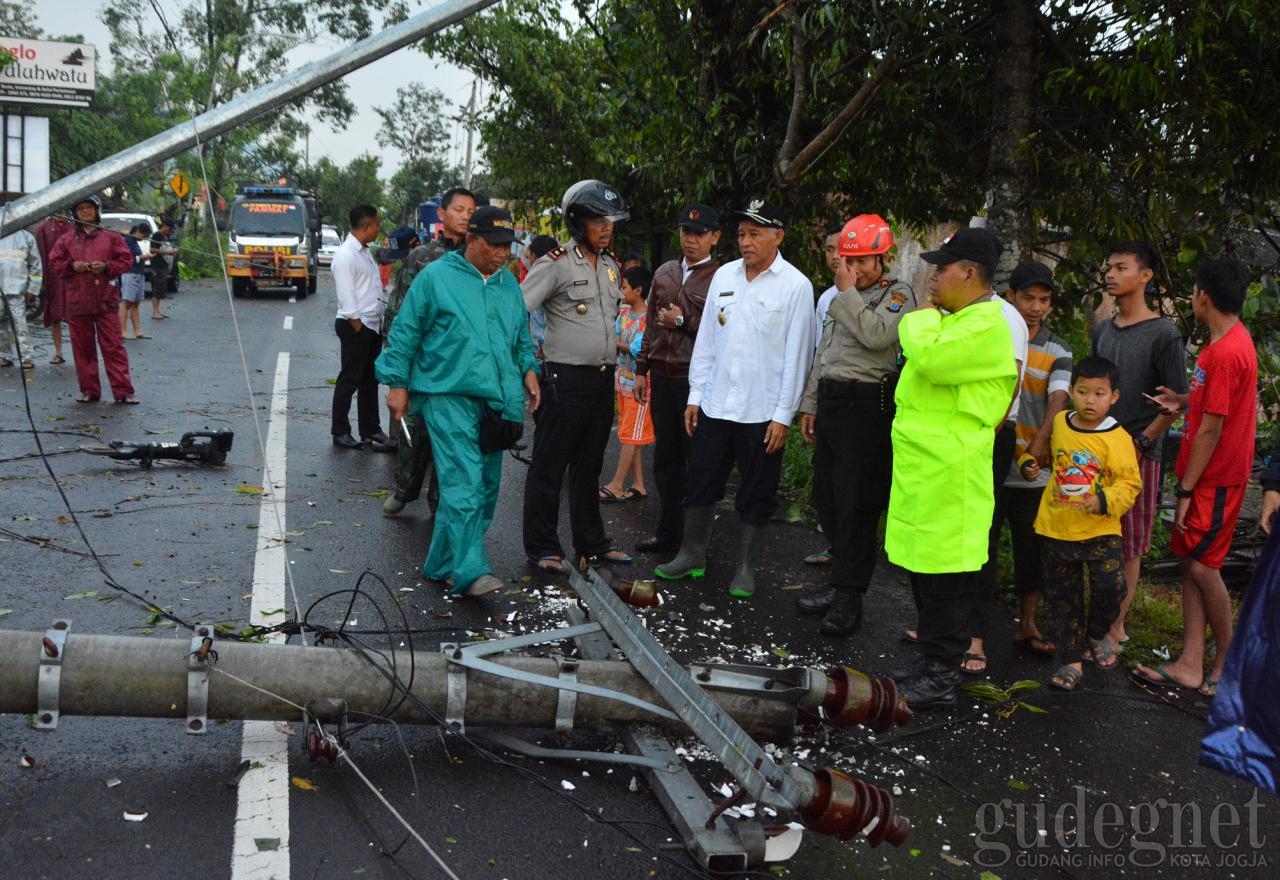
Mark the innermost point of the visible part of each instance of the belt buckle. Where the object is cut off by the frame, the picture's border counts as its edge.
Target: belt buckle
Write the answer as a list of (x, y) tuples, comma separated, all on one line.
[(604, 367)]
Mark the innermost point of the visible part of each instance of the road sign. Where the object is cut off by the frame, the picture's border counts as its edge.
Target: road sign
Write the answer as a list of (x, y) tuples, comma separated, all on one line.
[(179, 184), (43, 72)]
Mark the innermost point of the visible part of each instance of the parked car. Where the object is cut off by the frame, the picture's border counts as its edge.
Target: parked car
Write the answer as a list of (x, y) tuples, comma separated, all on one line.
[(330, 241), (123, 222)]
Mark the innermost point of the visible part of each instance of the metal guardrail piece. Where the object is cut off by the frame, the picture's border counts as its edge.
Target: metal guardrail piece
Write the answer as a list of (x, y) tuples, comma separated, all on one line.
[(762, 779), (524, 747), (49, 683), (707, 834), (472, 657)]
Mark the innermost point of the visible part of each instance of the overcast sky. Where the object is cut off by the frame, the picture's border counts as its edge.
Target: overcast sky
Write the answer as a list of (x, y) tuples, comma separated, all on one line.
[(370, 86)]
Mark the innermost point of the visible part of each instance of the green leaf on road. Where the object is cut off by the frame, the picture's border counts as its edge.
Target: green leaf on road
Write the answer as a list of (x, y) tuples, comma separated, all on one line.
[(5, 612), (88, 594), (1018, 786), (780, 652)]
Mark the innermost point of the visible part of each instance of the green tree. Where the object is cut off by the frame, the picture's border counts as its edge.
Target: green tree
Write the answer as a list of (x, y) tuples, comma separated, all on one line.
[(212, 51), (342, 188), (415, 126)]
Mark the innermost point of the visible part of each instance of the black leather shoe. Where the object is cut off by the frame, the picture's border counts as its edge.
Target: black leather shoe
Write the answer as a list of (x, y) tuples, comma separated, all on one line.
[(346, 441), (378, 438), (816, 601), (656, 545), (844, 616), (934, 686)]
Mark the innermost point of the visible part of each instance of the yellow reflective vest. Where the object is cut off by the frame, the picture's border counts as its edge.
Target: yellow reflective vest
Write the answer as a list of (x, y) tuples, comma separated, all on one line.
[(954, 392)]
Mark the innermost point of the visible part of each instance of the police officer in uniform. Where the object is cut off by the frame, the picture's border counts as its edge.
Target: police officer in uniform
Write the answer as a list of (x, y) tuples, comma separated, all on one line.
[(577, 287), (848, 412)]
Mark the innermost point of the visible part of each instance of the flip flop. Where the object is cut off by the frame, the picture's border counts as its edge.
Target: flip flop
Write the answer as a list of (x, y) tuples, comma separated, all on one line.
[(1103, 653), (159, 317), (548, 563), (1165, 679), (617, 557), (967, 657), (607, 497), (84, 398), (129, 401), (5, 362), (909, 638), (28, 365), (1036, 645), (57, 359), (632, 494), (1066, 678), (1210, 686), (822, 557)]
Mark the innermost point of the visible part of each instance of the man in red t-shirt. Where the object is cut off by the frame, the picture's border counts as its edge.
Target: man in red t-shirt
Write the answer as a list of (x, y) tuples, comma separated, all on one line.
[(1214, 465)]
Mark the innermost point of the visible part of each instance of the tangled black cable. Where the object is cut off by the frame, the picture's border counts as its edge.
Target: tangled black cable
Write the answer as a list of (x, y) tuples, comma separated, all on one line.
[(386, 667)]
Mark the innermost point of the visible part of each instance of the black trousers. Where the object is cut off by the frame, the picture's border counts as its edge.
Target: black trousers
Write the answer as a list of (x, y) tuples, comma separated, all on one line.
[(852, 465), (667, 400), (571, 431), (1018, 507), (984, 596), (360, 348), (944, 602), (718, 445)]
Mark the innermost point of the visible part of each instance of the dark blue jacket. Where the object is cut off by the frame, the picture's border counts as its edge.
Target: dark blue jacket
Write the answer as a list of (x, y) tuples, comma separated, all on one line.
[(1243, 734)]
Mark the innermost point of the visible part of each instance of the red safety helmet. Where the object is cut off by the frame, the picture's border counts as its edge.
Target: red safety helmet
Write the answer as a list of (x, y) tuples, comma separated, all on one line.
[(865, 236)]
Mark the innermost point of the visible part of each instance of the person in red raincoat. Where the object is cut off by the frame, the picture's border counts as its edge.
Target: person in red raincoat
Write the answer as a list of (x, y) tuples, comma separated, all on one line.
[(89, 260)]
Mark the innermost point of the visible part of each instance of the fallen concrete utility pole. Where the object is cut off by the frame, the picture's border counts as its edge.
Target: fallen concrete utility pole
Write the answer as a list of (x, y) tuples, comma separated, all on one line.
[(135, 159), (140, 677), (58, 673)]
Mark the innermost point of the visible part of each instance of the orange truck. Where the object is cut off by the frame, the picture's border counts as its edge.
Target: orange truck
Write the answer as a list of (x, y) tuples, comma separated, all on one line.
[(275, 239)]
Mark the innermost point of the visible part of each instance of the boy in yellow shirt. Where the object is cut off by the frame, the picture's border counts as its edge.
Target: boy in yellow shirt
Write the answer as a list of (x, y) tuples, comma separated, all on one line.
[(1094, 480)]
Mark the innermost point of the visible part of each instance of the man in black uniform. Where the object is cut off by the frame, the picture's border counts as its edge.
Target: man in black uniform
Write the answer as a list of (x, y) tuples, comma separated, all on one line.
[(578, 289), (676, 300)]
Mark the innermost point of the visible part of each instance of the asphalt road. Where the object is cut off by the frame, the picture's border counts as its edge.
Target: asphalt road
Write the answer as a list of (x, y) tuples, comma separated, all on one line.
[(185, 536)]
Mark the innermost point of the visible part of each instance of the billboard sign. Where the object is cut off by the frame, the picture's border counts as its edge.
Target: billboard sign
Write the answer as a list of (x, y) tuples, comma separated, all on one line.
[(49, 73)]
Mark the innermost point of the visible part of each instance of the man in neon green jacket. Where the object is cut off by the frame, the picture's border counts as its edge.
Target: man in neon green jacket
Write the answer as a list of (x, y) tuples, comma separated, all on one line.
[(460, 344), (952, 396)]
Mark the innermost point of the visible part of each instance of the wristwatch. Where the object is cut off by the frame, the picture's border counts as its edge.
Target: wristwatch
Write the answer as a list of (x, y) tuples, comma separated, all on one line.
[(679, 322), (1179, 492)]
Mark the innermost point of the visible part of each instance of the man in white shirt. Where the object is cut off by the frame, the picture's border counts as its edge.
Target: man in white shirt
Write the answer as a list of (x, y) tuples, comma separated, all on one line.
[(746, 377), (358, 325)]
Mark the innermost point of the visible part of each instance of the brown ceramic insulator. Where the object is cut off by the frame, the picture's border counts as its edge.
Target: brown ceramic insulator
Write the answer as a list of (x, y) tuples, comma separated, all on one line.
[(854, 698), (641, 594), (321, 747), (845, 807)]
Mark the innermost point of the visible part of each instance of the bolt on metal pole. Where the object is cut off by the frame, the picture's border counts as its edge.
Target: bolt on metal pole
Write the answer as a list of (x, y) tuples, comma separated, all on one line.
[(128, 162)]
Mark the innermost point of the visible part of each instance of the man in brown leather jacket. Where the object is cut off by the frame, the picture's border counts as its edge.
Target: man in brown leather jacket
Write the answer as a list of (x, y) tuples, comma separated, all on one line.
[(662, 368)]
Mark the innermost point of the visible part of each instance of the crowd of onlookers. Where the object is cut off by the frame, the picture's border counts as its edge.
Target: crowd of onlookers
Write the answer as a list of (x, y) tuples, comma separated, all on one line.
[(78, 272), (947, 413)]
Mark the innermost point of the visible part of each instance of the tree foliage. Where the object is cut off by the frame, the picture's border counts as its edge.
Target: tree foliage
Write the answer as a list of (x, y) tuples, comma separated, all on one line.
[(342, 188), (1066, 120)]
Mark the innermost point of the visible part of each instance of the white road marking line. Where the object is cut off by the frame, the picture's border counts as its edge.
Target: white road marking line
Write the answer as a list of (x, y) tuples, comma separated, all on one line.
[(293, 299), (261, 848), (288, 322)]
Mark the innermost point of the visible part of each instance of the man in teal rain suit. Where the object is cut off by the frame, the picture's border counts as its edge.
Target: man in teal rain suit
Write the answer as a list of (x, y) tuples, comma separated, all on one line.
[(460, 344), (953, 394)]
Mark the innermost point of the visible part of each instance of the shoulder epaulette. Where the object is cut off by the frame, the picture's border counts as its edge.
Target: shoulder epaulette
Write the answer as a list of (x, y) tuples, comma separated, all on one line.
[(558, 252)]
